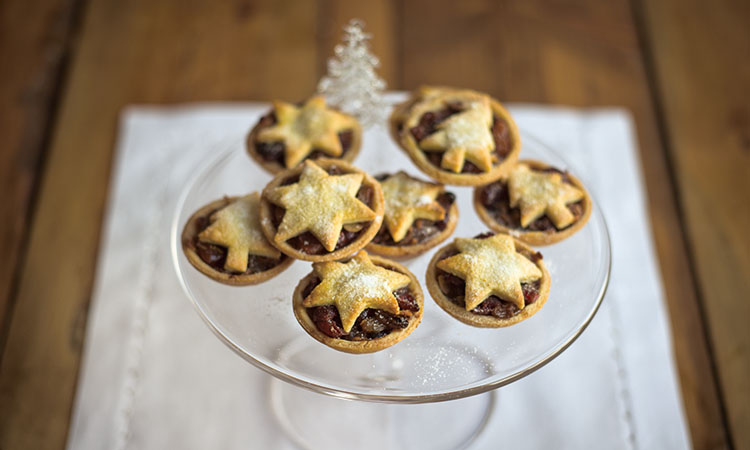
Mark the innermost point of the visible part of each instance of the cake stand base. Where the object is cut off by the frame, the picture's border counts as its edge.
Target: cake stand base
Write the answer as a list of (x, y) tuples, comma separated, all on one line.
[(315, 421)]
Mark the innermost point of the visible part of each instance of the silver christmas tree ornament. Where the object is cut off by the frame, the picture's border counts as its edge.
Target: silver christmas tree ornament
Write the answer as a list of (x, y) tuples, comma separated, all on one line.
[(351, 83)]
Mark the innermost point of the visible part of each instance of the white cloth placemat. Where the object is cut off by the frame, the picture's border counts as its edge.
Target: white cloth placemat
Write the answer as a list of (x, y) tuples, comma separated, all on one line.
[(155, 377)]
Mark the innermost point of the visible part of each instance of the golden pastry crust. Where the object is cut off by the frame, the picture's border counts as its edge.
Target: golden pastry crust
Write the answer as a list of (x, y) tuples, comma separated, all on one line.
[(275, 167), (478, 320), (408, 201), (536, 237), (377, 205), (191, 230), (410, 251), (368, 346), (401, 111), (409, 111)]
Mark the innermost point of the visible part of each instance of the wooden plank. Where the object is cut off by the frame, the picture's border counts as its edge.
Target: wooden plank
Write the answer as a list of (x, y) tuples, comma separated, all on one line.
[(34, 42), (580, 53), (701, 59), (380, 21), (129, 52)]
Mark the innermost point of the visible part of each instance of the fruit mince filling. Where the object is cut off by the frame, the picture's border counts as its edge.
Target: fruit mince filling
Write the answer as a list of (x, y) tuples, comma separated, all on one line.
[(216, 255), (495, 199), (422, 229), (371, 324), (454, 288), (307, 242), (274, 151), (428, 124)]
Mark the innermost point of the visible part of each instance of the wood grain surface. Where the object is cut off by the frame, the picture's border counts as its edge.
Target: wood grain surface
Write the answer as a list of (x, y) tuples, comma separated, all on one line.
[(32, 56), (700, 52), (634, 54)]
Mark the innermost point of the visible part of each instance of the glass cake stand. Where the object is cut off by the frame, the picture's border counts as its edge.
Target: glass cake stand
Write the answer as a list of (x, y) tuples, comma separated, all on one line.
[(402, 392)]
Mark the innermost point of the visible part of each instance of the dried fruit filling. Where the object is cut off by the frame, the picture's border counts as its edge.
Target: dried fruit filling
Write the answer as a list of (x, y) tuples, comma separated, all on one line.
[(428, 124), (495, 199), (274, 151), (454, 288), (216, 255), (422, 229), (307, 242), (371, 324)]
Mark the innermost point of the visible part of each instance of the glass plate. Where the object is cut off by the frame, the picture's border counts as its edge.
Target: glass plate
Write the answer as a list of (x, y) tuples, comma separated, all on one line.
[(442, 359)]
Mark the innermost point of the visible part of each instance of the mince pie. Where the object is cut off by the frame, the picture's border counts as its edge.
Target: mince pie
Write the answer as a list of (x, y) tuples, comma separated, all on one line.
[(321, 210), (360, 306), (418, 216), (489, 281), (457, 136), (537, 203), (289, 134), (224, 240)]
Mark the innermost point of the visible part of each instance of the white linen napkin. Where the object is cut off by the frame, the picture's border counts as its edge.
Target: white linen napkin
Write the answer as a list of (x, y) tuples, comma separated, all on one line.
[(155, 377)]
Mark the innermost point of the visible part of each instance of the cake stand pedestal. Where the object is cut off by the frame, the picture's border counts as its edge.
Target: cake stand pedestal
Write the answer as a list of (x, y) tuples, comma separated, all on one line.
[(315, 421)]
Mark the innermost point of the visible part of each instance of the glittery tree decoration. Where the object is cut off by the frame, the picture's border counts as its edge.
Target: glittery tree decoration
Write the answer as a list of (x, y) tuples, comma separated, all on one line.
[(352, 84)]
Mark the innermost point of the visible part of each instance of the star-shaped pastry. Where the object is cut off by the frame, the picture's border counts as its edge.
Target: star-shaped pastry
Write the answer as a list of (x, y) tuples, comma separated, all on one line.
[(539, 193), (464, 136), (406, 200), (489, 267), (355, 286), (302, 129), (319, 203), (237, 228)]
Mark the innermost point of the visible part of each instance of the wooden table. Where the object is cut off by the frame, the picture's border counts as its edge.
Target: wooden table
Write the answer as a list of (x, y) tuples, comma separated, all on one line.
[(68, 67)]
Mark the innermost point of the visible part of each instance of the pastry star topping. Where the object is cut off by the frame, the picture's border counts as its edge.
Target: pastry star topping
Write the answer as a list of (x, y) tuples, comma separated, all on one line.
[(305, 128), (540, 193), (237, 228), (464, 136), (406, 200), (489, 267), (319, 203), (355, 286)]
